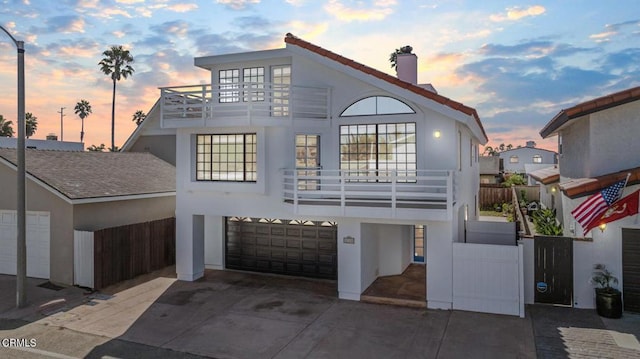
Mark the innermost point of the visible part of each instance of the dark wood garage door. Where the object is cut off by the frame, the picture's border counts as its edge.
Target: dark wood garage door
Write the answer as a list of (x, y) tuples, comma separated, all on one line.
[(299, 248), (631, 269)]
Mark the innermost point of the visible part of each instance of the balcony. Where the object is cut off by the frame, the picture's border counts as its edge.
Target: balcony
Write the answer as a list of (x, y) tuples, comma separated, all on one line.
[(397, 194), (242, 104)]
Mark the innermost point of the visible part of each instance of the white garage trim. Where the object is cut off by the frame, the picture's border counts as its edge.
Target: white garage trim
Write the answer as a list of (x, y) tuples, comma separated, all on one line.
[(38, 243)]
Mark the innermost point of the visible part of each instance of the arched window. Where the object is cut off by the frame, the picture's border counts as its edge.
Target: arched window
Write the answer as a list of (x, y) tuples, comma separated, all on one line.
[(537, 159), (377, 105), (514, 159)]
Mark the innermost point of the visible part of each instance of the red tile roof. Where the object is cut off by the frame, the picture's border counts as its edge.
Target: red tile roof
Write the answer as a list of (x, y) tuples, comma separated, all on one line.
[(546, 175), (585, 108), (293, 40), (578, 187)]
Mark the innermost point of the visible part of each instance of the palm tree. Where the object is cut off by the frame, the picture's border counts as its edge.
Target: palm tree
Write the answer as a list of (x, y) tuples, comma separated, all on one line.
[(82, 109), (94, 148), (31, 124), (116, 64), (5, 128), (138, 117)]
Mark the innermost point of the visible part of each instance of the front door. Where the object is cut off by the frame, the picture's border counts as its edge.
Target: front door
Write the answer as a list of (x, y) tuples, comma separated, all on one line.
[(418, 243), (307, 161), (553, 270)]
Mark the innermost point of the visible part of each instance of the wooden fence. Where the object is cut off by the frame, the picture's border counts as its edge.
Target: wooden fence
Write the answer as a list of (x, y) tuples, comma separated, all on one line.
[(490, 195), (125, 252)]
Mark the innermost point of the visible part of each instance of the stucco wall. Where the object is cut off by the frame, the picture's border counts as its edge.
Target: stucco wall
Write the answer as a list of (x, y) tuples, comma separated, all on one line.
[(439, 265), (94, 216), (614, 144), (369, 255), (161, 146), (61, 230), (575, 157)]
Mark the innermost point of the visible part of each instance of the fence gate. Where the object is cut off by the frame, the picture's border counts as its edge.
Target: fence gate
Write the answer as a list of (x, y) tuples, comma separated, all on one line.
[(553, 270)]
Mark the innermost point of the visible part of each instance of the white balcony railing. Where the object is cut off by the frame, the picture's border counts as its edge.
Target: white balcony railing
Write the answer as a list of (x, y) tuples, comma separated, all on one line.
[(394, 189), (244, 101)]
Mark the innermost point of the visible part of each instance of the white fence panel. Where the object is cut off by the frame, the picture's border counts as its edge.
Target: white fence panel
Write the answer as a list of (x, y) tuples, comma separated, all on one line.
[(488, 278), (83, 258)]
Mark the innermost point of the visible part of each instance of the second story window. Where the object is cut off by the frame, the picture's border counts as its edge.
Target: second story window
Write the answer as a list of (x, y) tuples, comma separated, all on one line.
[(253, 78), (537, 159), (281, 81), (514, 159), (377, 105), (229, 83), (378, 150), (226, 157)]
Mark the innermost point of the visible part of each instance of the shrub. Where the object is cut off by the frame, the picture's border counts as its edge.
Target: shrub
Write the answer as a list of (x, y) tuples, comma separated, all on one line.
[(545, 223)]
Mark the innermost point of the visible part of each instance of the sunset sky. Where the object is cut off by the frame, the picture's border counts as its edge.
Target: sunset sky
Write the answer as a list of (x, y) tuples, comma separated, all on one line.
[(517, 63)]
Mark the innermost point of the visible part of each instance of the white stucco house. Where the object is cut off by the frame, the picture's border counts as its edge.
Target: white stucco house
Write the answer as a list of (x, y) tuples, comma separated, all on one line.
[(598, 146), (300, 161), (527, 159)]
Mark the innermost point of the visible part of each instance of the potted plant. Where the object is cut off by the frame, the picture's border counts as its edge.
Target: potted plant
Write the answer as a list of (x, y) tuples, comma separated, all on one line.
[(608, 298)]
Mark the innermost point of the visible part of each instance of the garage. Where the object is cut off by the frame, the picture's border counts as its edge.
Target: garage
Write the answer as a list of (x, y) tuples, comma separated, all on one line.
[(38, 243), (290, 247), (631, 269)]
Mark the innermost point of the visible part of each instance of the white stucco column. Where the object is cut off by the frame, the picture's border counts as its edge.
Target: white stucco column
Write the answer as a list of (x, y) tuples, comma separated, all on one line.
[(189, 246), (214, 234), (439, 246), (349, 266)]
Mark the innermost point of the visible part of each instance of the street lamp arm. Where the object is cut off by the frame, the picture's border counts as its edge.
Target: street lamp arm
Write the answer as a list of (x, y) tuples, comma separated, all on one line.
[(11, 36)]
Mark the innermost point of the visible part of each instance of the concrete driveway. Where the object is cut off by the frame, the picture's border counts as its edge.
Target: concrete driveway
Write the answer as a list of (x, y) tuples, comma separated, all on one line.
[(239, 315)]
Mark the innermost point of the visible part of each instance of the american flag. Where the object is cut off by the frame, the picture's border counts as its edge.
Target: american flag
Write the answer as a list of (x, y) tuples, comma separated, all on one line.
[(597, 204)]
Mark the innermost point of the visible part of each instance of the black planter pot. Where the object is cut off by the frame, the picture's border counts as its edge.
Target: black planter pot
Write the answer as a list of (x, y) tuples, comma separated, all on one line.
[(609, 303)]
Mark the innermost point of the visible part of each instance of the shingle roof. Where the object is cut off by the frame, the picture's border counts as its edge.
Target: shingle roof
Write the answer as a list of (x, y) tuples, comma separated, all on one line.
[(293, 40), (546, 175), (84, 175), (588, 107), (577, 187)]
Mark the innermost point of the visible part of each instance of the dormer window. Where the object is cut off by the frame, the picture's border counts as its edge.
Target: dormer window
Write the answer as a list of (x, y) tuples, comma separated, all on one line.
[(377, 105)]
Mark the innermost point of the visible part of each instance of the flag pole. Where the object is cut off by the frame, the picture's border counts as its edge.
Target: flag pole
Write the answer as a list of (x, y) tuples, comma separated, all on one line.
[(626, 180)]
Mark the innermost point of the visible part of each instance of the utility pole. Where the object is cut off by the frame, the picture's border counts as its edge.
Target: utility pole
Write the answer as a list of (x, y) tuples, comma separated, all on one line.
[(61, 112), (21, 238)]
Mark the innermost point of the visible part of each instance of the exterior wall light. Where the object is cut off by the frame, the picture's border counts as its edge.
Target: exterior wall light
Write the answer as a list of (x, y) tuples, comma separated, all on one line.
[(437, 134), (553, 189), (602, 227)]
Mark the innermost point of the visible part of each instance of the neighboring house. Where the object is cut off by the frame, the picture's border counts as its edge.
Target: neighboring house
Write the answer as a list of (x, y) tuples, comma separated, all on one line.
[(12, 142), (150, 137), (300, 161), (490, 169), (598, 146), (516, 160), (84, 191)]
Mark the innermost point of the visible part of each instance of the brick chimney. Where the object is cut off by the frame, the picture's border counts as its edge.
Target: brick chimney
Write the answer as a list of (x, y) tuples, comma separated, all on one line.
[(407, 66)]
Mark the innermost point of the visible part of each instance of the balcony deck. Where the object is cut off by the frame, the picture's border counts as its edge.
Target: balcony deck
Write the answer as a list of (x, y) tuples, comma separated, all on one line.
[(413, 194), (242, 104)]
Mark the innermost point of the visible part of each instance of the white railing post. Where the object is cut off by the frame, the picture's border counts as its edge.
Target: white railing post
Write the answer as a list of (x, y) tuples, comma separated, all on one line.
[(342, 191), (203, 104), (162, 95), (295, 191), (450, 190), (394, 179)]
